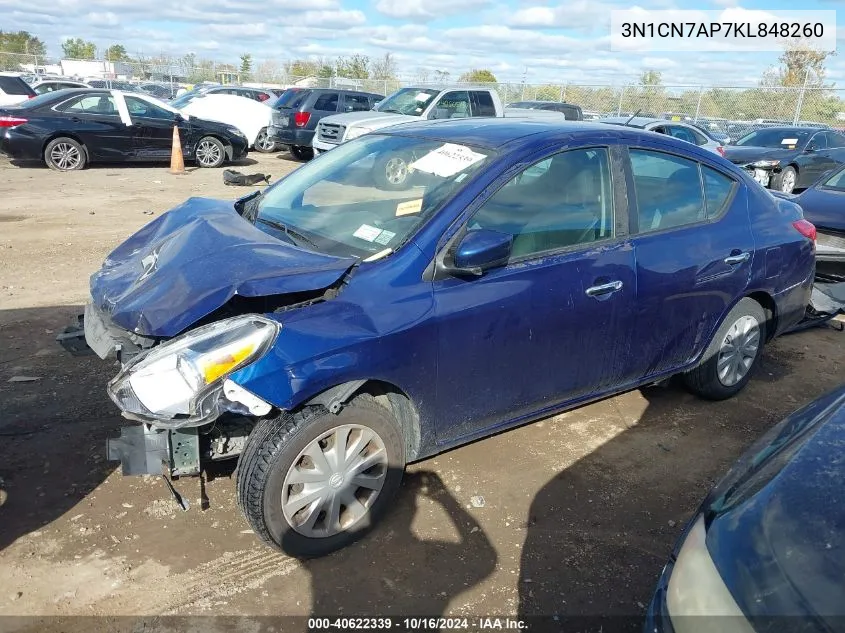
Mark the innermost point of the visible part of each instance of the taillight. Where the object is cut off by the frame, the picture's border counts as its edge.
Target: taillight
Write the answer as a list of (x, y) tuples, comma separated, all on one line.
[(31, 96), (721, 150), (11, 121), (263, 97), (805, 228), (301, 118)]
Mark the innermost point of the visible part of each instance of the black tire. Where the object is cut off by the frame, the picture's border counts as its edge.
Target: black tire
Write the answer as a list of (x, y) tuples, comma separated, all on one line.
[(705, 379), (65, 154), (391, 172), (209, 152), (264, 144), (786, 180), (269, 455), (300, 152)]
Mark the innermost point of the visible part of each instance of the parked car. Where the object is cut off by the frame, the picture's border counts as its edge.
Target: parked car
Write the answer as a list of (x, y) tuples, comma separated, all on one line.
[(295, 122), (255, 94), (327, 333), (765, 550), (678, 129), (51, 85), (113, 84), (13, 89), (285, 97), (405, 106), (824, 206), (253, 118), (571, 111), (165, 92), (68, 129), (592, 116), (786, 158)]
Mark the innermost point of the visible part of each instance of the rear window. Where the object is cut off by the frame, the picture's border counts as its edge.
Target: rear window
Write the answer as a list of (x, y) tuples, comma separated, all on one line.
[(14, 86), (298, 100), (287, 97)]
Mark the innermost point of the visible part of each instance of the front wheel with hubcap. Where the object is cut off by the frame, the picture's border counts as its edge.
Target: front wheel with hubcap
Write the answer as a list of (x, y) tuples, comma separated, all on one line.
[(733, 353), (264, 143), (64, 154), (210, 152), (311, 482), (786, 180)]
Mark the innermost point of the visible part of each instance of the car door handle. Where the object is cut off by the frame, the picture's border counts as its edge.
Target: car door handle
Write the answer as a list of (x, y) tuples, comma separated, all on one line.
[(604, 289), (737, 259)]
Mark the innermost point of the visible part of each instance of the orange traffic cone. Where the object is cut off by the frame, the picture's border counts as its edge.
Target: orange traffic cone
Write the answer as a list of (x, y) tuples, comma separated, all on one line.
[(177, 161)]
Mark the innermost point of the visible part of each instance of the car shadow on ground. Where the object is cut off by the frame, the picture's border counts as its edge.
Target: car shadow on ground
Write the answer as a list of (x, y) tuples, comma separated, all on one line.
[(189, 165), (599, 532), (55, 419)]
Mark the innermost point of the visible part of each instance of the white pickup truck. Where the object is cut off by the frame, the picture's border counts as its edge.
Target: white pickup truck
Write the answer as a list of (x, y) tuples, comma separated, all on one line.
[(407, 104)]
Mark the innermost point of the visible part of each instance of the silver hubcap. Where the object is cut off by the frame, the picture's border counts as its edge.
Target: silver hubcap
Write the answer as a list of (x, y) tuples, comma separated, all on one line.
[(788, 182), (334, 481), (396, 171), (738, 351), (65, 156), (264, 141), (208, 153)]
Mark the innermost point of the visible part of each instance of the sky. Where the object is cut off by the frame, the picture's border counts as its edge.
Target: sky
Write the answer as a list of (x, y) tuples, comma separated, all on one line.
[(531, 40)]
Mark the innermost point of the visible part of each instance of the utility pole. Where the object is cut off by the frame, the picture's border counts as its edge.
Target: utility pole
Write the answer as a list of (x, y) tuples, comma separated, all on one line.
[(524, 75), (800, 103)]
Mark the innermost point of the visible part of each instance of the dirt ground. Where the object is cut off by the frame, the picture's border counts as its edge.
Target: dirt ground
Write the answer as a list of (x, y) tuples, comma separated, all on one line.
[(580, 511)]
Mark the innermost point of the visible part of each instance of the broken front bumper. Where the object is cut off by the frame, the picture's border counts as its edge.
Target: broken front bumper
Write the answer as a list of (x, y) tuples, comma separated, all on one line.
[(93, 333), (144, 450), (763, 176)]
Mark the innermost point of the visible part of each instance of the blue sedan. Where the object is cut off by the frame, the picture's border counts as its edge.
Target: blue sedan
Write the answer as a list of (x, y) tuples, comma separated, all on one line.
[(824, 206), (326, 331)]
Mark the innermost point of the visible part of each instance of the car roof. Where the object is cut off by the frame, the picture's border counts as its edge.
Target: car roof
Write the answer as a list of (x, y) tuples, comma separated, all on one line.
[(496, 132), (637, 121), (792, 128)]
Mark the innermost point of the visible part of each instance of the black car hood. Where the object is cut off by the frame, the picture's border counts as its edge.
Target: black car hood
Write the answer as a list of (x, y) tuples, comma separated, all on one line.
[(741, 155), (190, 261), (781, 551)]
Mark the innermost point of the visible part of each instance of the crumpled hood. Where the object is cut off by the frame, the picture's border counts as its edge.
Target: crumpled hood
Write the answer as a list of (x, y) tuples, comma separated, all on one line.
[(741, 155), (192, 260), (370, 119)]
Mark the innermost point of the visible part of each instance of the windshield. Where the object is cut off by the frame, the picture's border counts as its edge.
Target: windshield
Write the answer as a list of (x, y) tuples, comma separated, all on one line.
[(410, 101), (360, 198), (186, 98), (784, 138)]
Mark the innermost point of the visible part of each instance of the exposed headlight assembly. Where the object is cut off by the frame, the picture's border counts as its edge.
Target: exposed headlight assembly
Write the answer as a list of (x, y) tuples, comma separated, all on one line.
[(355, 132), (180, 383), (765, 163)]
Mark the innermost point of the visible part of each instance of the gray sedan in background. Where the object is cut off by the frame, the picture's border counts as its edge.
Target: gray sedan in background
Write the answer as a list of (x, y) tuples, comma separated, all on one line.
[(678, 129)]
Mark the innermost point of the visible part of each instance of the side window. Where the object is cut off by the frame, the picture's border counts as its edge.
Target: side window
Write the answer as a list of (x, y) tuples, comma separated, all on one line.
[(835, 140), (90, 104), (356, 103), (482, 103), (562, 201), (700, 139), (819, 141), (717, 190), (327, 102), (452, 105), (668, 190), (682, 133), (140, 108)]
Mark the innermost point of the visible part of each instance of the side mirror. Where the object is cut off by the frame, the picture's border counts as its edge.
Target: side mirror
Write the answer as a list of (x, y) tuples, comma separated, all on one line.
[(178, 118), (480, 250), (811, 149)]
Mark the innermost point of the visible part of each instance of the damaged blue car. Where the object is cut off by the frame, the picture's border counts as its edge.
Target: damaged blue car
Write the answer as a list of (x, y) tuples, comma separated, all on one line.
[(327, 331)]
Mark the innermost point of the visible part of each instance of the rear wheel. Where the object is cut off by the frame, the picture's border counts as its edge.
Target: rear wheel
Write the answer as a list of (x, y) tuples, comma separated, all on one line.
[(735, 350), (64, 154), (300, 152), (312, 482), (263, 142), (210, 152)]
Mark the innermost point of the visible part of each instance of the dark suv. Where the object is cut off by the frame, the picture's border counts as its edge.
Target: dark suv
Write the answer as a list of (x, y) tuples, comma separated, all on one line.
[(570, 111), (295, 122)]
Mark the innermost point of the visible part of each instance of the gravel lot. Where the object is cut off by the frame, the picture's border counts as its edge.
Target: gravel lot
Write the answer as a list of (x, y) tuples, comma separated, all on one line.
[(580, 511)]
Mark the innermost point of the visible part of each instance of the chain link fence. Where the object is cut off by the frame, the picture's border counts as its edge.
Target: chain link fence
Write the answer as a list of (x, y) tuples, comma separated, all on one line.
[(715, 106)]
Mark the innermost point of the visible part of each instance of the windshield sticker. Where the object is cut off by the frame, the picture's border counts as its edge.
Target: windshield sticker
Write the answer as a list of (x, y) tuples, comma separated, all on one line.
[(409, 207), (367, 232), (385, 237), (422, 96), (789, 141), (447, 160)]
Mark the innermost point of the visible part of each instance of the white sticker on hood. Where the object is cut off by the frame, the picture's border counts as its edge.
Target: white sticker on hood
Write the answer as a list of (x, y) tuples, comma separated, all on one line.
[(789, 141), (367, 232), (447, 160)]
